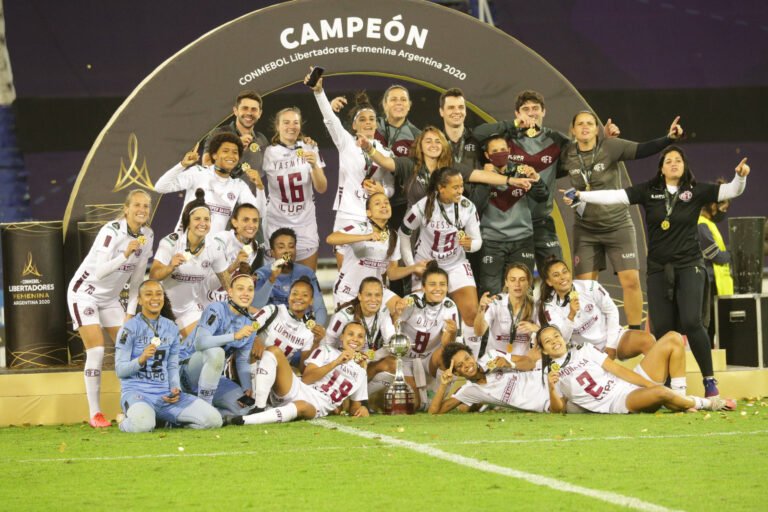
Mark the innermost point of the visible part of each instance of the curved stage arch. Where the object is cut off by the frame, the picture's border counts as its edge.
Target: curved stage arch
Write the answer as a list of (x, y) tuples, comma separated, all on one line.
[(270, 49)]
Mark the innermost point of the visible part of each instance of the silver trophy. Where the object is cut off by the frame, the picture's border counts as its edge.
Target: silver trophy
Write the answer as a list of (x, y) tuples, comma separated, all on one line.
[(399, 398)]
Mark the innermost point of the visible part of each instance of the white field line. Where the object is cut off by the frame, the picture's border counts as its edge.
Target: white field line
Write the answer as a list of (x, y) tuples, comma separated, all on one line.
[(544, 481), (378, 446)]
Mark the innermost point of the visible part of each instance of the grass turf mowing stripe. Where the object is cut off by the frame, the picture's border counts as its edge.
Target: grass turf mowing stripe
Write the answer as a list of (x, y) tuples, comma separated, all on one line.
[(445, 443), (552, 483)]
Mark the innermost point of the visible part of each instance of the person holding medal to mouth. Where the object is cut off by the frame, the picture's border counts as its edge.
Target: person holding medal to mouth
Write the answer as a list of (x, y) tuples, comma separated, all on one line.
[(223, 191), (672, 201), (592, 163), (274, 280), (119, 255), (373, 250), (184, 262), (147, 364)]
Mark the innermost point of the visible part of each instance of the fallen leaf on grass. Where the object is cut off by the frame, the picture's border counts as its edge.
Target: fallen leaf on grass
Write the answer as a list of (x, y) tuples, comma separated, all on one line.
[(62, 447)]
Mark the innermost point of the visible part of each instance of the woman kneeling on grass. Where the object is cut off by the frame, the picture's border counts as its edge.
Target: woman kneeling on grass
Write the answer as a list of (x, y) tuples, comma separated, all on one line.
[(590, 379)]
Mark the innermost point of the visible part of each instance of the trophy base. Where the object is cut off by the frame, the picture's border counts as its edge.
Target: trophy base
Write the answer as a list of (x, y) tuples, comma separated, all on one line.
[(399, 400)]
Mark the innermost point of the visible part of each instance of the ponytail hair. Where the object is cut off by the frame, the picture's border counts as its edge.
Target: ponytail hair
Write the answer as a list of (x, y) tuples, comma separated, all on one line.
[(546, 290), (362, 102), (432, 268), (439, 178), (197, 202)]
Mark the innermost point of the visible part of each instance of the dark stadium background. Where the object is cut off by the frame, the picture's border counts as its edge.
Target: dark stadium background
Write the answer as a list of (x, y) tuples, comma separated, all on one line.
[(640, 62)]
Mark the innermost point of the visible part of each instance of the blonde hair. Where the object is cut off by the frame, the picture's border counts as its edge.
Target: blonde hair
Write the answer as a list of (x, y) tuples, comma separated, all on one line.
[(129, 198), (276, 123)]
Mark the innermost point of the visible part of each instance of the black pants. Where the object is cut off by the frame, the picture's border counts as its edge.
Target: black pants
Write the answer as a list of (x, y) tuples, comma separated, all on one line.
[(683, 313)]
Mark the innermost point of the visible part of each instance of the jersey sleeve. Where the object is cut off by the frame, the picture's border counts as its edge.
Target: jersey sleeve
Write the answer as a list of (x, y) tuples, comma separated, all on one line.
[(165, 251), (176, 178), (340, 136), (468, 394), (263, 316), (593, 354), (620, 149), (611, 312), (220, 263), (335, 326), (124, 366), (105, 247), (638, 194), (404, 168)]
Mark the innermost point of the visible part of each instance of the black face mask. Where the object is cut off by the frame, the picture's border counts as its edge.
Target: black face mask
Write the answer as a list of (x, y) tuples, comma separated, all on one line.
[(718, 216)]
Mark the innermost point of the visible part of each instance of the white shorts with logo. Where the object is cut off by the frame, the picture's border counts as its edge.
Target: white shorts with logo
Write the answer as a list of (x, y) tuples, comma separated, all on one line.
[(85, 310), (189, 315), (459, 276), (305, 393)]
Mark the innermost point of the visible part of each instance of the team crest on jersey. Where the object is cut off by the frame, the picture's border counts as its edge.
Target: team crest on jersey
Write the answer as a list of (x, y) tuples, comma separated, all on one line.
[(124, 338), (116, 225), (686, 196), (211, 319), (589, 307), (173, 236), (465, 203), (546, 159), (89, 311), (350, 310), (205, 264), (231, 196), (448, 303), (599, 167)]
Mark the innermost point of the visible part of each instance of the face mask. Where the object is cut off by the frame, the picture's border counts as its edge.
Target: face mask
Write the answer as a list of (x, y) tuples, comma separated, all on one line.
[(500, 159), (718, 216)]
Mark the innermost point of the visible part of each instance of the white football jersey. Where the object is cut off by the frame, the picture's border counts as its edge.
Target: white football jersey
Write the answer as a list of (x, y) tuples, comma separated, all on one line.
[(188, 283), (597, 321), (378, 328), (438, 236), (423, 324), (284, 331), (221, 194), (584, 382), (348, 380), (231, 247), (499, 321), (106, 258), (289, 178), (363, 259), (526, 391)]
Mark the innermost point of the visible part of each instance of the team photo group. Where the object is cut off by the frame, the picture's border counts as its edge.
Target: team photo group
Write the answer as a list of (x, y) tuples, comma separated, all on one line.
[(439, 229)]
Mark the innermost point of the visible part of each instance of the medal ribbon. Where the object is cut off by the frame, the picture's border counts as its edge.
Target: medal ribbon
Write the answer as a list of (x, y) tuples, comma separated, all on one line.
[(458, 150), (373, 334), (586, 173), (146, 321), (669, 202), (239, 309), (515, 319), (455, 222)]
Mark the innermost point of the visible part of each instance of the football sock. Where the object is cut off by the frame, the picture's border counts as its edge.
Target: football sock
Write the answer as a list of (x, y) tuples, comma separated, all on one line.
[(210, 374), (678, 385), (94, 357), (282, 414), (263, 375)]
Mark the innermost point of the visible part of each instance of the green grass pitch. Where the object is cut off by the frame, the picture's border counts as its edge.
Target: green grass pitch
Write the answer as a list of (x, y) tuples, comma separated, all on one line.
[(695, 461)]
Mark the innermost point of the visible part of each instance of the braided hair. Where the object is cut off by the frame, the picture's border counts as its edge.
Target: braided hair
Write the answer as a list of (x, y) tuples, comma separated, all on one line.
[(439, 178)]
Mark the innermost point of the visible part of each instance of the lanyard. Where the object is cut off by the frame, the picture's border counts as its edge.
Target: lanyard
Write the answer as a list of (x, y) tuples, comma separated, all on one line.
[(457, 158), (372, 334), (146, 321), (515, 319), (391, 140), (198, 249), (586, 172), (669, 202), (455, 222), (239, 309)]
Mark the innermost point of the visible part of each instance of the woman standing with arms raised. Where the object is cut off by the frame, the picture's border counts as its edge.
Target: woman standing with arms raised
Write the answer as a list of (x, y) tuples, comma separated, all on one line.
[(672, 201)]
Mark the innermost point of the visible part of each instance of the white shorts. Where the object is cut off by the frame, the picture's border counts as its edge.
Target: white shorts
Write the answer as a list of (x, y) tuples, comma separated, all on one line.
[(305, 393), (190, 314), (343, 220), (615, 402), (341, 297), (459, 276), (85, 310), (418, 368)]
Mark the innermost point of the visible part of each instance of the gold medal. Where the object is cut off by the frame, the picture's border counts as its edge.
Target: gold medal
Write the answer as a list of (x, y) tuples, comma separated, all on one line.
[(491, 365), (187, 255), (409, 302), (461, 234), (286, 258), (255, 326), (573, 295), (665, 224), (142, 239), (156, 341), (300, 153), (383, 236), (247, 249), (531, 132), (371, 354), (509, 348), (245, 166), (555, 367), (254, 147), (311, 324)]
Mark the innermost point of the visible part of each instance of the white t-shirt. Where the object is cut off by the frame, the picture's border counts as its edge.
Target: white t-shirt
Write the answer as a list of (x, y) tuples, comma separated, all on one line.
[(363, 259), (499, 321)]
